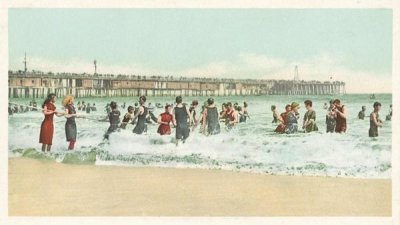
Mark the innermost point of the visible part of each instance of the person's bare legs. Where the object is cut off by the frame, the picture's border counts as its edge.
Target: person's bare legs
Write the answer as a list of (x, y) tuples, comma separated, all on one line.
[(71, 145)]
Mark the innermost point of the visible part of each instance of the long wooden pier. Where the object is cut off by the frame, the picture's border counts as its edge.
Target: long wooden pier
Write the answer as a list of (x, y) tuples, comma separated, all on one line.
[(23, 84)]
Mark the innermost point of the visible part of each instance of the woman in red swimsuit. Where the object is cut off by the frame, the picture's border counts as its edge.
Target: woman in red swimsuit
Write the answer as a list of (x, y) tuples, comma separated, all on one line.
[(164, 119), (47, 128)]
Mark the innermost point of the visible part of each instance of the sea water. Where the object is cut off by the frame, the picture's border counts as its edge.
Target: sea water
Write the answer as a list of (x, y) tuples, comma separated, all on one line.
[(252, 146)]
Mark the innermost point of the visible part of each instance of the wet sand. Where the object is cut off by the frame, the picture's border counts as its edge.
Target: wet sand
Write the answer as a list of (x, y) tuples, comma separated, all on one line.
[(45, 188)]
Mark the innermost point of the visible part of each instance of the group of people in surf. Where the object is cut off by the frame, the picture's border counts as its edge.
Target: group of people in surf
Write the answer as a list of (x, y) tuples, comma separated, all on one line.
[(47, 126), (336, 118), (288, 120), (86, 107), (181, 116), (374, 118), (362, 113), (185, 120), (18, 108)]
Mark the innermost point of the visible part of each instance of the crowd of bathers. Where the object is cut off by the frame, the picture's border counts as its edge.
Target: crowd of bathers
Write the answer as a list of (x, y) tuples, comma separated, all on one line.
[(17, 108), (185, 119), (181, 116), (336, 118)]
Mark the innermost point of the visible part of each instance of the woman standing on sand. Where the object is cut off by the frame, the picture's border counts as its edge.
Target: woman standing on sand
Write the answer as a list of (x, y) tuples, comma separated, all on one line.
[(70, 125), (47, 127)]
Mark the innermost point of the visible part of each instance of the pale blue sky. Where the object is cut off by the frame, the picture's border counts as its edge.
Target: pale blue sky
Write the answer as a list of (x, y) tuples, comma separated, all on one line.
[(358, 40)]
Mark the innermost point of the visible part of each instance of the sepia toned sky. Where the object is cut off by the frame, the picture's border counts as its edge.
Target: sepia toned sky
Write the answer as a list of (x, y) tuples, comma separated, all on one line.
[(353, 45)]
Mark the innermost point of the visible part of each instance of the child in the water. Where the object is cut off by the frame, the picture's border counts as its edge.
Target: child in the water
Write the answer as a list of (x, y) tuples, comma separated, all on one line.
[(113, 117), (127, 117)]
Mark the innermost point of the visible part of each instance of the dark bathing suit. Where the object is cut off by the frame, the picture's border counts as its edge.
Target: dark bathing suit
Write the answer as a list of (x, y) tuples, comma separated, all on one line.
[(70, 125), (213, 121), (330, 124), (182, 128), (113, 117), (141, 125)]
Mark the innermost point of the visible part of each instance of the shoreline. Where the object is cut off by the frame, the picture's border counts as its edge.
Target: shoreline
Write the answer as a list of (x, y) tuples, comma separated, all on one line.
[(88, 190)]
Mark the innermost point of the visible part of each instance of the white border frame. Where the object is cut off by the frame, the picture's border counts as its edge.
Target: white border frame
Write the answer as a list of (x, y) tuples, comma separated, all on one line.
[(394, 5)]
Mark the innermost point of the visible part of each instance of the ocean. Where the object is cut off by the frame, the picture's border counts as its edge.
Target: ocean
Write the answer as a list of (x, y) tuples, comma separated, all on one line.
[(251, 147)]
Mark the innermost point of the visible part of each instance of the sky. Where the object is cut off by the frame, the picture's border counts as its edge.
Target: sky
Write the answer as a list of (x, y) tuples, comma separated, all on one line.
[(351, 45)]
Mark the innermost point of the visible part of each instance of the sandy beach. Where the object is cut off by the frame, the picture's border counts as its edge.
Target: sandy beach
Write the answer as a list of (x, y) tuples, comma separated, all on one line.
[(45, 188)]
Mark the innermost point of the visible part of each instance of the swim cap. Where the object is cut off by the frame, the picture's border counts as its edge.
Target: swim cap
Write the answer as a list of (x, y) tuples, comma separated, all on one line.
[(113, 105), (178, 99), (294, 105), (210, 101), (142, 98)]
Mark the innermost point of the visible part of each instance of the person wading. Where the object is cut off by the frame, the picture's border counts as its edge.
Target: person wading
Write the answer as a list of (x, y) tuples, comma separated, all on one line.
[(164, 120), (181, 119), (211, 118), (70, 124), (141, 115), (47, 127)]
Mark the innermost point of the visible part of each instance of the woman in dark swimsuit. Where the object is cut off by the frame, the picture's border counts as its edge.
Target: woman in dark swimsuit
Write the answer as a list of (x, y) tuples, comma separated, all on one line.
[(180, 119), (70, 125), (141, 114), (211, 118)]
